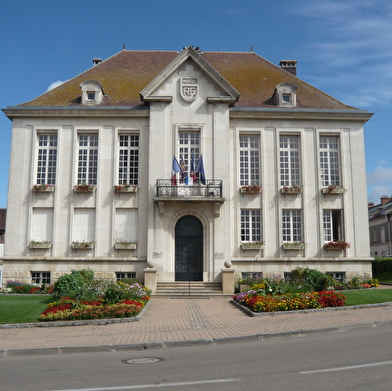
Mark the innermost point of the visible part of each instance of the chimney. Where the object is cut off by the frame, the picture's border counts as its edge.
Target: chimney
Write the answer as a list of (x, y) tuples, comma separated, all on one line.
[(385, 200), (289, 66), (96, 61), (370, 204)]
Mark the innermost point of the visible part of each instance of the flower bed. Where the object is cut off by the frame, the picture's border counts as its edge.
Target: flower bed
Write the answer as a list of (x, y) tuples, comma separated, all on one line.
[(70, 309), (289, 302)]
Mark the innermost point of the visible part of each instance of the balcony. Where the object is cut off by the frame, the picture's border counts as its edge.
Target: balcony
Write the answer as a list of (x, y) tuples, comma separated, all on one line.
[(167, 191)]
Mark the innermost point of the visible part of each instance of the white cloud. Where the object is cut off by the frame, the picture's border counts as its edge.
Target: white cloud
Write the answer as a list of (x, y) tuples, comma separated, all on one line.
[(379, 182), (349, 51), (54, 85)]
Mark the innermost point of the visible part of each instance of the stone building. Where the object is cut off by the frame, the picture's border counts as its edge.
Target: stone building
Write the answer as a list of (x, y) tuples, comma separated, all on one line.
[(218, 164)]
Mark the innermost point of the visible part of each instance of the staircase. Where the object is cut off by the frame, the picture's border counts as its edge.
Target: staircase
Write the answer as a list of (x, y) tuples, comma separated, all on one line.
[(186, 288)]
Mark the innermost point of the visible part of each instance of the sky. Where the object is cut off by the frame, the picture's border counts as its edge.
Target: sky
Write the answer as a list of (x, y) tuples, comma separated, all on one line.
[(343, 48)]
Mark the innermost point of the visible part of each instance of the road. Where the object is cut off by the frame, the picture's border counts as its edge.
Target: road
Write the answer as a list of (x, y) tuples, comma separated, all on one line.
[(357, 359)]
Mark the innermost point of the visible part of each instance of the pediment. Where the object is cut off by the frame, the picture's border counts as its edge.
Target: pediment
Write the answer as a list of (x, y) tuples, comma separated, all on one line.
[(189, 84)]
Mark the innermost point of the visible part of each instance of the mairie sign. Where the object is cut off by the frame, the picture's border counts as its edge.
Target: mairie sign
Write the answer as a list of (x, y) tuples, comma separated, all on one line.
[(189, 88)]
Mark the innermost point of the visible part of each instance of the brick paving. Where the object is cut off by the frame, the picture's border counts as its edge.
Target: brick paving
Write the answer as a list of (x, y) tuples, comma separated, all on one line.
[(188, 319)]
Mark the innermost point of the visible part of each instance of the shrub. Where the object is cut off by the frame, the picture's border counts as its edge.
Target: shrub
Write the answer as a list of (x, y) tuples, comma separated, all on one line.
[(312, 279), (76, 285)]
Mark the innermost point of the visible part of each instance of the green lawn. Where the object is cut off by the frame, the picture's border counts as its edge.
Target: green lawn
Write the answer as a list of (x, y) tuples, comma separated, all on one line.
[(368, 296), (22, 309)]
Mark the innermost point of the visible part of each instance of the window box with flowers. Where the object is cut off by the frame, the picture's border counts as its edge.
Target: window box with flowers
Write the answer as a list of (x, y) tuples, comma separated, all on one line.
[(295, 189), (42, 188), (293, 245), (336, 246), (333, 189), (84, 188), (40, 244), (250, 189), (125, 188), (83, 245), (120, 244), (252, 245)]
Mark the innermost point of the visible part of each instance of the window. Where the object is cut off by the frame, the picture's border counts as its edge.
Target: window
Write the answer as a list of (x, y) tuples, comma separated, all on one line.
[(188, 150), (42, 224), (47, 159), (382, 234), (92, 92), (337, 276), (40, 278), (289, 161), (88, 159), (121, 275), (292, 226), (84, 224), (128, 165), (333, 225), (249, 160), (285, 94), (250, 225), (126, 224), (90, 95), (329, 161)]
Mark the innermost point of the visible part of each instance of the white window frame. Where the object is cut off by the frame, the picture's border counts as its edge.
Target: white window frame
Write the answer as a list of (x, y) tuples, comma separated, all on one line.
[(251, 225), (128, 158), (329, 160), (292, 225), (333, 225), (338, 276), (188, 148), (87, 158), (40, 277), (249, 155), (47, 151), (289, 160), (121, 275)]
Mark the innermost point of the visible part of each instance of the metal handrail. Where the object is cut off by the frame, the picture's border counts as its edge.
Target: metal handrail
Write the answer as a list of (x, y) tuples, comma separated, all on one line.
[(171, 188)]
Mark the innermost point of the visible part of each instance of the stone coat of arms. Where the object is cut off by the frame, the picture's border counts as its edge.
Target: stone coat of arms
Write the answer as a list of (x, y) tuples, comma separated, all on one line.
[(189, 88)]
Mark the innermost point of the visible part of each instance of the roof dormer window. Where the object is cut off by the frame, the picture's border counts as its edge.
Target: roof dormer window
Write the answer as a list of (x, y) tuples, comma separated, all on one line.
[(91, 95), (92, 92), (285, 94)]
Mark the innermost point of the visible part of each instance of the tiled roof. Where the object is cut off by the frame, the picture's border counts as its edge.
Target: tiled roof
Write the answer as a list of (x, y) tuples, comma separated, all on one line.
[(124, 75)]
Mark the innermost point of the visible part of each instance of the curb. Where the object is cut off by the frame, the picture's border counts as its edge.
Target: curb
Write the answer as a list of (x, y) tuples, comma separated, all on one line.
[(342, 308), (187, 343)]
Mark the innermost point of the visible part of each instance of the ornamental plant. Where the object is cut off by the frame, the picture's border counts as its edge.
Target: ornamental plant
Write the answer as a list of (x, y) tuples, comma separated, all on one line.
[(294, 188), (342, 245), (118, 188), (41, 186), (84, 187), (126, 242), (253, 188), (289, 302), (332, 188)]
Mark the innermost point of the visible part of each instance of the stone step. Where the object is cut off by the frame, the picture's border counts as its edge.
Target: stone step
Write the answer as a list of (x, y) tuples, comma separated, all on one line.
[(194, 288)]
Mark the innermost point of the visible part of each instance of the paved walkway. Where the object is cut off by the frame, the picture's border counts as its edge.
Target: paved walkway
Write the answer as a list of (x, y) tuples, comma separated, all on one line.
[(183, 321)]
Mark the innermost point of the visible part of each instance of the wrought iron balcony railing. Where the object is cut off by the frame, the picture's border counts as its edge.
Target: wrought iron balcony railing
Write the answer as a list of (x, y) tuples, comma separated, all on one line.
[(168, 188)]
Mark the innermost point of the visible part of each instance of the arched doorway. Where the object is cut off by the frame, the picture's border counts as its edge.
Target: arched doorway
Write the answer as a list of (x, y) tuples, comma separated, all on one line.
[(189, 249)]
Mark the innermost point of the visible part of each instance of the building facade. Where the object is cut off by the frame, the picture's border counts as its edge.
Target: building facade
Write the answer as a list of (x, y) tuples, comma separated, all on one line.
[(218, 164), (380, 226)]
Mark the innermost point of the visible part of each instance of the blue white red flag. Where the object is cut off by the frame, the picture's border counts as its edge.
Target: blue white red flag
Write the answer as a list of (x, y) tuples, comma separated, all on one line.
[(200, 170)]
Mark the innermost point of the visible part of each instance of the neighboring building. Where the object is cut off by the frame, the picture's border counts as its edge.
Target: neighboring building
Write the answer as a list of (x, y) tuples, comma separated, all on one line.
[(380, 217), (237, 120), (3, 214)]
